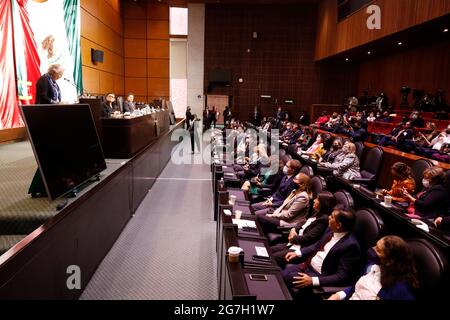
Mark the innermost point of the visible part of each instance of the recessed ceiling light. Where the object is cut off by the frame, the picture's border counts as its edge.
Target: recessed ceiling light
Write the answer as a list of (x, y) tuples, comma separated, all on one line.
[(400, 43), (445, 30), (369, 52), (347, 59)]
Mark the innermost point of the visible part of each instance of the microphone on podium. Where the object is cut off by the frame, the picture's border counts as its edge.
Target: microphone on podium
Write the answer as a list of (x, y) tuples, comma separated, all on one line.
[(85, 92)]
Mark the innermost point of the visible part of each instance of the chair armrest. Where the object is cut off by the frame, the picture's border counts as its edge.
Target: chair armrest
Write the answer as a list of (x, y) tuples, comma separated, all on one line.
[(361, 180)]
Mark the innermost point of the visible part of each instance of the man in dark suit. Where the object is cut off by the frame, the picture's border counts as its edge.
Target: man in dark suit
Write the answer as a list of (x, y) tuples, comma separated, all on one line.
[(47, 90), (188, 117), (335, 258), (129, 105), (285, 188)]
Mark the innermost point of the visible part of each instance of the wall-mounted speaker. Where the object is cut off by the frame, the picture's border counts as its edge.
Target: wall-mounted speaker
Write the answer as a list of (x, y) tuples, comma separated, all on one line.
[(97, 56)]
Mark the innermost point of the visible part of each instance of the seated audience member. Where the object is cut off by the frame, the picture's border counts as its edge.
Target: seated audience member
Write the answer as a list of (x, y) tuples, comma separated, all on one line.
[(285, 130), (310, 232), (330, 125), (417, 120), (443, 155), (336, 258), (385, 117), (401, 175), (405, 134), (435, 145), (305, 138), (108, 107), (357, 132), (129, 105), (322, 119), (285, 188), (346, 165), (390, 274), (316, 150), (421, 140), (371, 117), (268, 180), (335, 150), (292, 213), (432, 202)]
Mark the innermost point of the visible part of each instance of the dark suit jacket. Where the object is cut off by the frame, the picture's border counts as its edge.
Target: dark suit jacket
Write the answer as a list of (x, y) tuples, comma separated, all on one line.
[(341, 266), (313, 232), (433, 203), (128, 107), (106, 110), (47, 90), (284, 190)]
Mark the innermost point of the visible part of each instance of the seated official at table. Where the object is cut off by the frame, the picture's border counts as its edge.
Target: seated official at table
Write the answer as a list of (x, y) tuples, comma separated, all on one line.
[(401, 174), (336, 258), (129, 105), (47, 90), (108, 107), (292, 213), (285, 188), (432, 202), (390, 274), (310, 232)]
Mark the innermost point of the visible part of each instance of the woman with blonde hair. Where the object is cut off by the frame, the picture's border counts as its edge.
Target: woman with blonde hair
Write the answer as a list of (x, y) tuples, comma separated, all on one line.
[(346, 165)]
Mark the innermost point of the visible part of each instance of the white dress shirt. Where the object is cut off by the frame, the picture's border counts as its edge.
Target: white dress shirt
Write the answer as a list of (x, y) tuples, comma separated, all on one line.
[(317, 260), (367, 287)]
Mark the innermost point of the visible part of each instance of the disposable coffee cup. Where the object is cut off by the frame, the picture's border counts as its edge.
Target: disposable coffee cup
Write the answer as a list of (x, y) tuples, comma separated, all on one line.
[(233, 254), (232, 200), (388, 201), (238, 214)]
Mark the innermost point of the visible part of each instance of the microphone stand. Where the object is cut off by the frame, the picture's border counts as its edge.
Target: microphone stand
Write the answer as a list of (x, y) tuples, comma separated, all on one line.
[(84, 91)]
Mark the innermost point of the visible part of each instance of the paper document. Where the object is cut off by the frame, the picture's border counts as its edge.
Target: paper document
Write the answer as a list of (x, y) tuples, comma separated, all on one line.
[(244, 223), (261, 252)]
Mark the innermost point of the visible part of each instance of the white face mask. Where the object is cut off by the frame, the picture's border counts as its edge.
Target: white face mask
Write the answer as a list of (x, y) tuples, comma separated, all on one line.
[(285, 170), (426, 183)]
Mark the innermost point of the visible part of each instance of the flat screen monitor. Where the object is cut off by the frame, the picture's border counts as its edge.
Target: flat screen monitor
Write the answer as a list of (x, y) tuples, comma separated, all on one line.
[(65, 144)]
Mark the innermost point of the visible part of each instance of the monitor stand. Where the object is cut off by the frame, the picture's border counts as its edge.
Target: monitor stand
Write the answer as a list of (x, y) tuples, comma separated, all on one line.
[(37, 188), (73, 193)]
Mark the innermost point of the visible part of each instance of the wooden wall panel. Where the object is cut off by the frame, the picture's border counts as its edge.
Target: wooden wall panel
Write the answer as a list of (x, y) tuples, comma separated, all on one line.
[(135, 29), (280, 62), (135, 67), (334, 37), (425, 68), (102, 29), (135, 48), (158, 68), (146, 49)]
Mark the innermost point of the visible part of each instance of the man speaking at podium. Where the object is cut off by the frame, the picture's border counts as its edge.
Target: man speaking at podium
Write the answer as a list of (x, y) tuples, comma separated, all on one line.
[(47, 90)]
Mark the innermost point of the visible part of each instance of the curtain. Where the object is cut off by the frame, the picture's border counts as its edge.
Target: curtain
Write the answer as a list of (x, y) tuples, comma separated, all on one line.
[(27, 56), (72, 23), (9, 111)]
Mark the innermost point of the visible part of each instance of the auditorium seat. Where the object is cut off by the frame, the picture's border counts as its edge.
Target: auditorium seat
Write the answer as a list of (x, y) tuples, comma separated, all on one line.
[(308, 171), (417, 169), (370, 168), (368, 229), (432, 269), (344, 198), (359, 149), (318, 184)]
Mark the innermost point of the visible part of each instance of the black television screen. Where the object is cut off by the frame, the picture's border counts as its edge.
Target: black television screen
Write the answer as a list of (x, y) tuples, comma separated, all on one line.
[(65, 144)]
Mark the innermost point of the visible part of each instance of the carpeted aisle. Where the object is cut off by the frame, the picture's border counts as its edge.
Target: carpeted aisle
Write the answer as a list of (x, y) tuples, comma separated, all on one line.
[(167, 251)]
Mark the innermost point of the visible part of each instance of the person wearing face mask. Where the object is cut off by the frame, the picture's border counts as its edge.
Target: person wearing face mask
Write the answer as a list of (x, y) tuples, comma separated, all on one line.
[(310, 232), (401, 175), (417, 120), (285, 188), (336, 150), (269, 180), (390, 274), (346, 165), (316, 150), (432, 202), (357, 132), (294, 209)]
